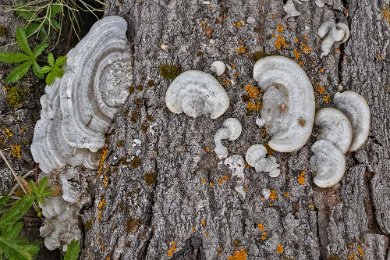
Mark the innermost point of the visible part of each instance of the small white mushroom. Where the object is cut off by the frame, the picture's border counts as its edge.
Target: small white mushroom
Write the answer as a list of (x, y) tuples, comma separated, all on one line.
[(232, 130), (197, 93), (288, 102), (218, 67), (334, 33), (355, 107), (290, 9), (256, 157), (328, 163), (266, 193), (335, 127)]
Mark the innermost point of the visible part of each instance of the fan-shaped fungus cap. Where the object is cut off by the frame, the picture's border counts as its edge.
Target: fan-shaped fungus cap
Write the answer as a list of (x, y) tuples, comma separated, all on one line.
[(256, 157), (328, 162), (335, 33), (288, 102), (355, 107), (218, 67), (232, 130), (335, 127), (197, 93)]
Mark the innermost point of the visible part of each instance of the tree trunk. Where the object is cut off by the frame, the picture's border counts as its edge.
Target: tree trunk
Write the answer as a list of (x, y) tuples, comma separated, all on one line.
[(173, 199)]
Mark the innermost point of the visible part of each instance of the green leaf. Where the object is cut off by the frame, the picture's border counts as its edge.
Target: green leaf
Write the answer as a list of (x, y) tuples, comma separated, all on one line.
[(18, 72), (37, 70), (39, 49), (56, 24), (17, 211), (46, 69), (15, 251), (22, 41), (12, 231), (41, 191), (32, 28), (4, 200), (73, 251), (55, 9), (25, 14), (60, 61), (50, 77), (50, 59), (13, 57)]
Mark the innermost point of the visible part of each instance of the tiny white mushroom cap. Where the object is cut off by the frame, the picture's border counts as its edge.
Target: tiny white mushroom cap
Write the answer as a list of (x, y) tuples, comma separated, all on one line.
[(288, 102), (334, 33), (335, 127), (234, 127), (328, 162), (255, 153), (232, 130), (197, 93), (355, 107), (218, 67)]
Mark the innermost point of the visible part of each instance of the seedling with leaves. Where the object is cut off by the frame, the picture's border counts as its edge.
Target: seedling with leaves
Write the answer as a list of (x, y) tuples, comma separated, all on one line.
[(54, 69), (72, 251), (27, 58)]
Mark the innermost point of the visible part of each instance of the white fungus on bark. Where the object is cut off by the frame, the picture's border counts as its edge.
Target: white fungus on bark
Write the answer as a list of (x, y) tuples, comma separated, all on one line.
[(290, 9), (288, 102), (256, 157), (218, 67), (328, 163), (334, 33), (78, 108), (197, 93), (232, 130), (355, 107), (334, 126), (237, 165)]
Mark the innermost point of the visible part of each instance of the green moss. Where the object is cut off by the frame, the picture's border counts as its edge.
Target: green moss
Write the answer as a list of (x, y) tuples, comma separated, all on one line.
[(3, 31), (15, 96), (150, 178), (140, 88), (131, 90), (258, 55), (151, 83), (136, 162), (169, 71)]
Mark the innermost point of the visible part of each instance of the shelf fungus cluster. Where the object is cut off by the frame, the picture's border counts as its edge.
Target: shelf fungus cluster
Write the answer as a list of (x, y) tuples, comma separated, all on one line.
[(78, 108), (256, 156), (331, 33), (340, 129), (232, 130)]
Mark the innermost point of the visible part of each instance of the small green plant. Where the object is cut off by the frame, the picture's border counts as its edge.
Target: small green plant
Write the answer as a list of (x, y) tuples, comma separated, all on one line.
[(12, 245), (54, 69), (27, 58), (73, 251)]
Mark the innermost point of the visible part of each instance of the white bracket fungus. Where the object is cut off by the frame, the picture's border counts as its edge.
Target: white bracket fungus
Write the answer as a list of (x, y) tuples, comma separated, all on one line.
[(334, 126), (256, 157), (355, 107), (218, 67), (334, 33), (197, 93), (290, 9), (288, 102), (77, 108), (232, 130), (328, 163)]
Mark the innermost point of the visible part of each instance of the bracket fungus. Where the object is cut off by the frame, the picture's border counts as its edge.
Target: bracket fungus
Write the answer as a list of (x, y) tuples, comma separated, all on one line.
[(328, 162), (232, 130), (256, 157), (334, 33), (334, 126), (355, 107), (288, 102), (218, 67), (197, 93), (78, 108)]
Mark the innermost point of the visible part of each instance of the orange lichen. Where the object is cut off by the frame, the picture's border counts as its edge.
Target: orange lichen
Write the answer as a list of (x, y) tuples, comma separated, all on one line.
[(280, 249), (239, 255), (106, 180), (286, 194), (102, 203), (207, 149), (326, 98), (320, 89), (296, 40), (280, 42), (254, 106), (352, 256), (203, 222), (203, 181), (296, 53), (103, 157), (8, 133), (172, 249), (386, 14), (16, 151), (280, 28), (211, 184), (241, 50), (223, 179), (360, 251), (273, 196), (193, 229), (301, 178), (306, 49), (321, 70), (260, 226), (263, 235), (253, 91), (239, 24)]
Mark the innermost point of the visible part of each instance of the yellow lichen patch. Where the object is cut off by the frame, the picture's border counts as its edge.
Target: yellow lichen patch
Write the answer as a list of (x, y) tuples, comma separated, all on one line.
[(253, 91), (203, 222), (193, 229), (280, 42), (102, 203), (360, 251), (286, 194), (203, 181), (254, 106), (263, 235), (241, 50), (239, 255), (8, 133), (223, 179), (239, 24), (103, 157), (352, 256), (280, 28), (296, 40), (279, 249), (326, 98), (207, 149), (386, 14), (321, 70), (301, 178), (273, 196), (306, 49), (296, 53), (106, 181), (260, 226), (311, 206), (211, 184), (172, 249), (320, 89), (16, 151)]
